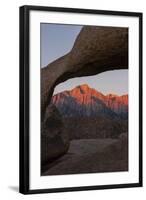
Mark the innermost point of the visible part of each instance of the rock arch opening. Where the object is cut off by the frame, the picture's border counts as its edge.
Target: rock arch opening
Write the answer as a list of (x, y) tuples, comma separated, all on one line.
[(87, 104)]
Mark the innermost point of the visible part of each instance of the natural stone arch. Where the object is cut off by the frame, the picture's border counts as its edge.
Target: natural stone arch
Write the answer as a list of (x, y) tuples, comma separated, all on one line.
[(96, 50)]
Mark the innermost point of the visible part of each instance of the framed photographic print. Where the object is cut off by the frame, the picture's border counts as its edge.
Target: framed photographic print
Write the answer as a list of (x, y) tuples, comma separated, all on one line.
[(80, 99)]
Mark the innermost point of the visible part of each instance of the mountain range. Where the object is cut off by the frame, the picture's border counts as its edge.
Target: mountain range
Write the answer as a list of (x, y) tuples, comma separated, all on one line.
[(83, 101)]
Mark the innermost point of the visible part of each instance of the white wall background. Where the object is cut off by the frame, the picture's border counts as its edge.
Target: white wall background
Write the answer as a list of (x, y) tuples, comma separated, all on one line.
[(9, 99)]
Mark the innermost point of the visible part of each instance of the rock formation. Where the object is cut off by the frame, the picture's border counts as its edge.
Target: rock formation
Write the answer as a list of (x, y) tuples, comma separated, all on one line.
[(119, 149), (54, 139)]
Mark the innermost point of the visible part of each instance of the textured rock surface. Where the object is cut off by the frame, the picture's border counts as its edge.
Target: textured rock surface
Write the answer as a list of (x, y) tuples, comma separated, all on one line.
[(96, 49), (118, 149), (92, 156), (54, 139), (92, 128)]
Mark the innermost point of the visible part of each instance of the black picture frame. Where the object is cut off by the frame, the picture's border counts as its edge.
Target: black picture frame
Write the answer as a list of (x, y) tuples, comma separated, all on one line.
[(25, 105)]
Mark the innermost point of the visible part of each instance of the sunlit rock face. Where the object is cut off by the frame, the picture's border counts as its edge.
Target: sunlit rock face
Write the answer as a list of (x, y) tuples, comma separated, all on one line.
[(84, 101), (118, 104)]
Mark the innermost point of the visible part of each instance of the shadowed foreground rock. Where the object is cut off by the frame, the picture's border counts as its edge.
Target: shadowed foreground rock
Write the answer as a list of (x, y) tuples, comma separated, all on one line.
[(54, 139), (92, 156)]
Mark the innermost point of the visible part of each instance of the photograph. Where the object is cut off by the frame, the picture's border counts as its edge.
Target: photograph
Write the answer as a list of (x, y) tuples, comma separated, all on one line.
[(80, 99), (84, 120)]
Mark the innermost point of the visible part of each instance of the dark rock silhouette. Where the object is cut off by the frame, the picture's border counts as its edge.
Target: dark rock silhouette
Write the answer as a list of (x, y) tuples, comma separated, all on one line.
[(94, 128), (54, 139)]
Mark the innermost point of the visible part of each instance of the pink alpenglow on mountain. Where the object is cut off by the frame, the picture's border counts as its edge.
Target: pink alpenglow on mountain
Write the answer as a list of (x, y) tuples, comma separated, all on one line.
[(84, 101)]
